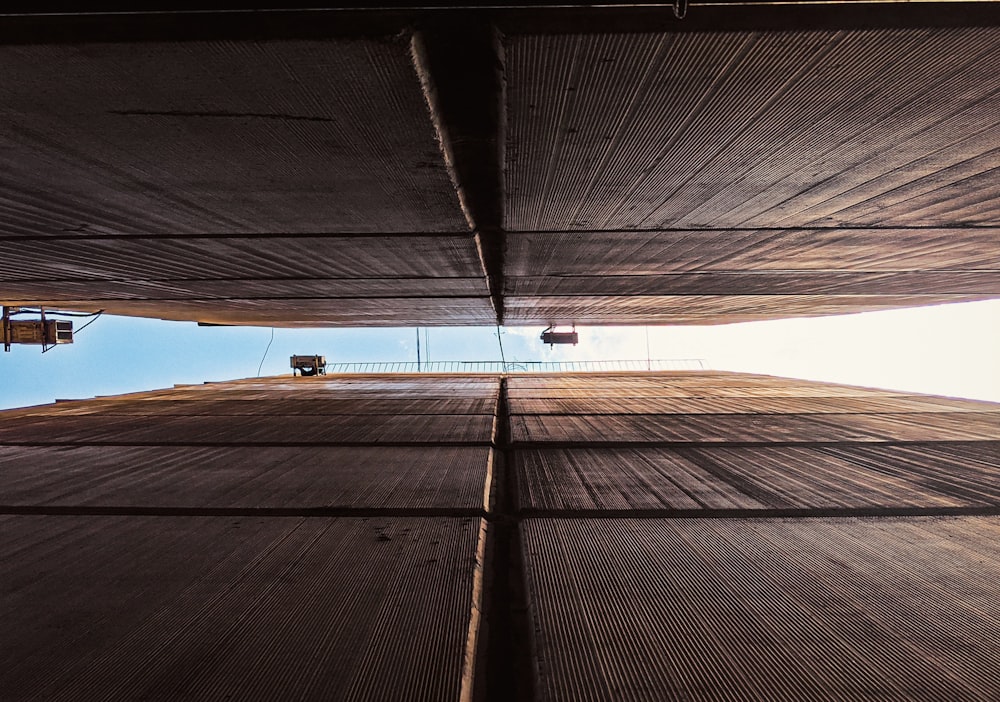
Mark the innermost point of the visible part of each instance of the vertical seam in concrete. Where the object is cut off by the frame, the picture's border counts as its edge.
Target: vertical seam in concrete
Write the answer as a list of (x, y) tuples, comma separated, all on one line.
[(421, 64), (475, 619), (488, 493), (507, 644), (460, 66)]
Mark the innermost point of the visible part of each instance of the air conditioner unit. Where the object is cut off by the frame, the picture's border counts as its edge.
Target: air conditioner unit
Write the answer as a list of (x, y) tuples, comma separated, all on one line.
[(47, 333), (308, 365)]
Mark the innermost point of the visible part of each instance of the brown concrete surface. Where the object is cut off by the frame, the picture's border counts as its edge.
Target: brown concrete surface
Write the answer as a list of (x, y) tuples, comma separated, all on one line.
[(802, 609), (317, 477), (166, 608), (606, 165), (753, 477), (669, 555), (162, 552), (253, 540)]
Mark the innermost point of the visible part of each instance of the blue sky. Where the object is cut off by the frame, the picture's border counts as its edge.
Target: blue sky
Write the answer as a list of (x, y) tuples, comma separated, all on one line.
[(948, 349)]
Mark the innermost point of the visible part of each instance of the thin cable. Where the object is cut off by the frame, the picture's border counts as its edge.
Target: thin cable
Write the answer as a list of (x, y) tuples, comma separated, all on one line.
[(502, 358), (97, 315), (265, 353), (76, 332), (50, 313)]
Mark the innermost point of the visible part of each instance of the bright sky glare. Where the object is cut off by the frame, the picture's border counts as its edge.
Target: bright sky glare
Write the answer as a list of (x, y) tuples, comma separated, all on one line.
[(949, 350)]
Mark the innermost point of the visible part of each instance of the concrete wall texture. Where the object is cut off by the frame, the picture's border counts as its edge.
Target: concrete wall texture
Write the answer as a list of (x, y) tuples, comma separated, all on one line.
[(533, 166), (621, 536), (631, 536)]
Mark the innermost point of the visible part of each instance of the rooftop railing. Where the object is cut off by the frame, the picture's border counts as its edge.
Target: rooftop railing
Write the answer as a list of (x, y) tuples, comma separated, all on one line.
[(659, 364)]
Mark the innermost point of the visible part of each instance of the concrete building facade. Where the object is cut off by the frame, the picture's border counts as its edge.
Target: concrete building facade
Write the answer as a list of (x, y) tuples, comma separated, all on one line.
[(631, 536), (611, 165)]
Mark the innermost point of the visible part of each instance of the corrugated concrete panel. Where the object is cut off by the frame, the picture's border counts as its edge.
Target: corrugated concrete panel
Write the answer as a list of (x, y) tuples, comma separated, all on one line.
[(380, 386), (694, 276), (794, 254), (929, 426), (308, 407), (286, 398), (347, 280), (762, 477), (156, 260), (170, 179), (755, 428), (678, 428), (243, 584), (728, 176), (704, 309), (238, 137), (702, 379), (760, 129), (166, 608), (309, 290), (247, 477), (977, 455), (621, 479), (712, 385), (901, 404), (819, 609), (268, 429), (318, 312), (755, 282), (295, 174)]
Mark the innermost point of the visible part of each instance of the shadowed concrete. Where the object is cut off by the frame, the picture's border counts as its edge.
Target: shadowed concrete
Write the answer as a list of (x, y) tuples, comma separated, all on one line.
[(631, 536), (606, 165)]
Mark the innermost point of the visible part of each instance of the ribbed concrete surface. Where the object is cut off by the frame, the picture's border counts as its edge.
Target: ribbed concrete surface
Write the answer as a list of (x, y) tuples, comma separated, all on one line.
[(710, 385), (757, 477), (160, 261), (279, 280), (160, 551), (719, 408), (748, 252), (746, 165), (336, 405), (886, 404), (656, 310), (818, 609), (652, 428), (692, 535), (800, 541), (420, 429), (265, 412), (166, 608), (169, 179), (168, 138), (724, 130), (823, 170), (247, 477)]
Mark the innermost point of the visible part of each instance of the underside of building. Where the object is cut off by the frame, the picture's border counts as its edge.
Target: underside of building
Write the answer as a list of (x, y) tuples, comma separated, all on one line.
[(634, 536), (540, 165)]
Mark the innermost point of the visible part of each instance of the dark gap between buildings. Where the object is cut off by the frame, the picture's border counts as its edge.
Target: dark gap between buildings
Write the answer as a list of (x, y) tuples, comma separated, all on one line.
[(506, 655)]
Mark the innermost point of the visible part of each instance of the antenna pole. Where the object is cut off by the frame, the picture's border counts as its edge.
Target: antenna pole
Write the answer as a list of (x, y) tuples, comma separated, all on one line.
[(649, 364)]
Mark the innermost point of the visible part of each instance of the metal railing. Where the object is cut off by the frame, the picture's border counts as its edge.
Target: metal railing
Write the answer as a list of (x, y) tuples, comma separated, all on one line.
[(658, 364)]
